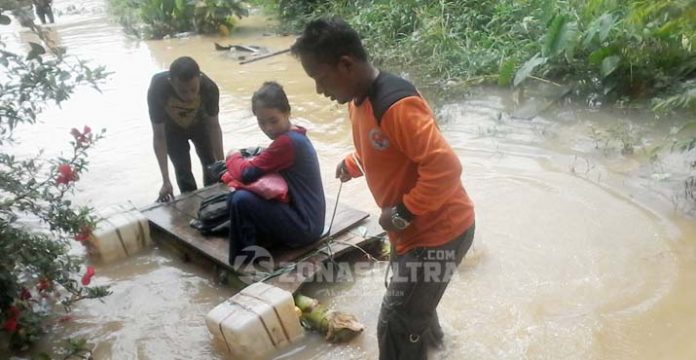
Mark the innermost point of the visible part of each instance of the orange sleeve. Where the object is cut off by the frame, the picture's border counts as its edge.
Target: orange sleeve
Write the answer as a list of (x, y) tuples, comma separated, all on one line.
[(354, 165), (352, 161), (410, 125)]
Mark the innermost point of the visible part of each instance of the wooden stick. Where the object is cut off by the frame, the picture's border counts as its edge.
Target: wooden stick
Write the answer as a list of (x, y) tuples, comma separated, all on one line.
[(544, 80), (261, 57)]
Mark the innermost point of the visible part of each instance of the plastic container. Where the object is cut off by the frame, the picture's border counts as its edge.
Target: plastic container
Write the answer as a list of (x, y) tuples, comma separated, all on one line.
[(122, 232), (256, 322)]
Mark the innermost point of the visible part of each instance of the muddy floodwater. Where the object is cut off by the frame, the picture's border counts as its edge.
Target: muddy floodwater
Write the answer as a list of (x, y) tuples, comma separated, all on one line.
[(581, 252)]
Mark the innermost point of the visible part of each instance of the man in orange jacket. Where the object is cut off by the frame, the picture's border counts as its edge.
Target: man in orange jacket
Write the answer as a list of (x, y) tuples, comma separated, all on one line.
[(413, 174)]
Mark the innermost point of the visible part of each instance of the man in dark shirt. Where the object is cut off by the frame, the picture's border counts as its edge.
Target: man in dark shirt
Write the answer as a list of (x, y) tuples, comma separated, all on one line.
[(184, 105)]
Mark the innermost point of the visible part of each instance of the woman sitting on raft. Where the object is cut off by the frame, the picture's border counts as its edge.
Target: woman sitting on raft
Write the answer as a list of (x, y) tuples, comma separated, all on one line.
[(296, 219)]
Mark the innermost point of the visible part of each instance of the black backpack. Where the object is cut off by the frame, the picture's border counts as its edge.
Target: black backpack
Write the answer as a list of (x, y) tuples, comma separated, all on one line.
[(213, 215)]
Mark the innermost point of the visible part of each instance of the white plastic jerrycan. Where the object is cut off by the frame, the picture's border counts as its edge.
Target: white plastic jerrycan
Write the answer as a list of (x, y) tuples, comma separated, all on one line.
[(122, 232), (256, 322)]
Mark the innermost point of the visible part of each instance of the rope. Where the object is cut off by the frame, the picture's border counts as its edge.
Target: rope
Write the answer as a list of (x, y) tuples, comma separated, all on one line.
[(330, 239), (293, 265)]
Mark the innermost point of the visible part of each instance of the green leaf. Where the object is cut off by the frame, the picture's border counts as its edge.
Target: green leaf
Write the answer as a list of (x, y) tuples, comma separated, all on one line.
[(77, 344), (35, 51), (609, 65), (606, 23), (597, 56), (688, 130), (560, 36), (5, 20), (527, 68), (601, 26), (548, 7), (570, 40), (506, 72)]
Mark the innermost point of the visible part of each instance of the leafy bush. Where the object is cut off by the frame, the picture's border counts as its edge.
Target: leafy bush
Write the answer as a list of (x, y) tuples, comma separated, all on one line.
[(212, 16), (635, 50), (606, 49), (159, 18), (37, 222)]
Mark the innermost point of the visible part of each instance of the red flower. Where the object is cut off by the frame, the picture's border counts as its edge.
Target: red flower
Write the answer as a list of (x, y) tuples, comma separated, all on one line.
[(44, 284), (84, 234), (11, 322), (87, 277), (10, 325), (75, 133), (65, 174), (82, 138), (24, 294)]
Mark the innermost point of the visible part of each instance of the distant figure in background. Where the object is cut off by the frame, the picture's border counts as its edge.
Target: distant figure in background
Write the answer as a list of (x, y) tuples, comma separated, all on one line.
[(184, 105), (43, 9)]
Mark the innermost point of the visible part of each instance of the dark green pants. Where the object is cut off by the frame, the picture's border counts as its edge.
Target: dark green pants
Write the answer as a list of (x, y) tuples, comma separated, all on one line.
[(178, 149), (408, 321)]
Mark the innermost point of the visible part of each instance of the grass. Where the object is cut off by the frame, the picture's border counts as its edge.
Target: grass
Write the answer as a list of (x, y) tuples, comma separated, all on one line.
[(614, 51)]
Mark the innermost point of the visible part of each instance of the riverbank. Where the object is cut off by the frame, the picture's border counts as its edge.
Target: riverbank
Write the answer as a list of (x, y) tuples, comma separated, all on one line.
[(605, 51)]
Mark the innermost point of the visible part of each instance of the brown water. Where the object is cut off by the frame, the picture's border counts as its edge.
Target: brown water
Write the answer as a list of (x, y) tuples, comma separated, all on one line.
[(580, 252)]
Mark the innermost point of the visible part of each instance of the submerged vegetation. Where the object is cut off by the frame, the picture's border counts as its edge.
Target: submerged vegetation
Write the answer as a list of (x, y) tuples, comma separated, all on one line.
[(608, 51), (156, 19)]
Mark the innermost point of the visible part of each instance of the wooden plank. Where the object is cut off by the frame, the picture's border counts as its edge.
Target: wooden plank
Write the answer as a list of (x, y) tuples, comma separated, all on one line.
[(314, 264), (174, 218), (265, 56), (190, 206), (309, 266), (171, 220), (192, 196), (346, 218)]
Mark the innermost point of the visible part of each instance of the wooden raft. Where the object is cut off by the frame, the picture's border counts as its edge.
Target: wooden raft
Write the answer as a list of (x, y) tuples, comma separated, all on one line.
[(173, 219)]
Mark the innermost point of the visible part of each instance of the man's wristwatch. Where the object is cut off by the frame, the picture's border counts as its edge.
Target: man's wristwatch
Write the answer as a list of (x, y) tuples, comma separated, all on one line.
[(401, 217)]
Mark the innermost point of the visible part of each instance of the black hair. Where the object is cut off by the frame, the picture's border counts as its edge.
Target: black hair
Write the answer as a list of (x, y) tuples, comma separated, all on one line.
[(270, 95), (329, 39), (184, 69)]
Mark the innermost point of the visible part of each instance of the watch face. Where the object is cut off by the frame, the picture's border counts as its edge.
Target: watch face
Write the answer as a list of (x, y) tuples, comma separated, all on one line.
[(399, 223)]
